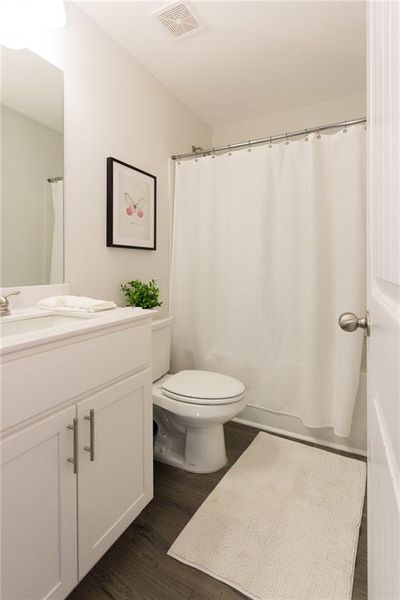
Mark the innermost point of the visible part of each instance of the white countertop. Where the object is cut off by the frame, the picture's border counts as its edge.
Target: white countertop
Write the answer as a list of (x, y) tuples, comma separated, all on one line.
[(85, 323)]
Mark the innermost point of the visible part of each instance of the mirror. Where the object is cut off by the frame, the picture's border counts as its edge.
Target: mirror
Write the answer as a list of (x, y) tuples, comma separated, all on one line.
[(32, 168)]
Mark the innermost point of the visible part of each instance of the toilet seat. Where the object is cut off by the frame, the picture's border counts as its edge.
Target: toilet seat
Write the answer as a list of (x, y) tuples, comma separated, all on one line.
[(203, 387)]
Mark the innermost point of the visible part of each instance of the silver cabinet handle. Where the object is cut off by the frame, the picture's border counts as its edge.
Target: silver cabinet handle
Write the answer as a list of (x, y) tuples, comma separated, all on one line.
[(350, 322), (90, 448), (74, 460)]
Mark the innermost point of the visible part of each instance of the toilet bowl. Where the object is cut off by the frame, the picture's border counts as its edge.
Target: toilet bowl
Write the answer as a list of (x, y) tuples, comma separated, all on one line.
[(190, 408)]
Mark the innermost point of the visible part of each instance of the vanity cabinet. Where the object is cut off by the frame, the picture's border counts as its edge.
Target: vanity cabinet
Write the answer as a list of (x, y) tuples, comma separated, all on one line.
[(39, 511), (113, 487), (74, 478)]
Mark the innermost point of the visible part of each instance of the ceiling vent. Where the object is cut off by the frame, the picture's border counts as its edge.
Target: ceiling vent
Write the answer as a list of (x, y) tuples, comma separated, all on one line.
[(180, 20)]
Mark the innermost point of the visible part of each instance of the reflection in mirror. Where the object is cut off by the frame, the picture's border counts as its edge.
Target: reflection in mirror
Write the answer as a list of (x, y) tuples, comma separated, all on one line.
[(32, 167)]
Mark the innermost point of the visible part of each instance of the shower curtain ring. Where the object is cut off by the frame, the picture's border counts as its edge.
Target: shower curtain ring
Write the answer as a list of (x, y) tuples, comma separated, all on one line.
[(213, 152), (345, 128), (287, 141), (249, 149), (318, 133), (229, 150), (270, 141), (306, 134)]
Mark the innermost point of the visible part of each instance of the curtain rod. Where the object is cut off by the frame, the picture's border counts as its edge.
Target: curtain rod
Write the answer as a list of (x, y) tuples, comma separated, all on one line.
[(54, 179), (266, 140)]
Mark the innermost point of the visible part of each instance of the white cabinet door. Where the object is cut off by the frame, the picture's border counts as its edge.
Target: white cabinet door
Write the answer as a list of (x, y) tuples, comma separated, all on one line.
[(38, 511), (116, 482)]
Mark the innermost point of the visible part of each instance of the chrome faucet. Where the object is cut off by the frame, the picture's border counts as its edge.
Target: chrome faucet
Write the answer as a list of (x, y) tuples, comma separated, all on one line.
[(4, 304)]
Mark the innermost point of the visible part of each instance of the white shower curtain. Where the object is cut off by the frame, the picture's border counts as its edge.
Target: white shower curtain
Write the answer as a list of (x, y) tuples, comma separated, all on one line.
[(268, 250), (57, 244)]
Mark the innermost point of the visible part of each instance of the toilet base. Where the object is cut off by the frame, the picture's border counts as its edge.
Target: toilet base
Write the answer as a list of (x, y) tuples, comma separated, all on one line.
[(175, 461), (194, 449)]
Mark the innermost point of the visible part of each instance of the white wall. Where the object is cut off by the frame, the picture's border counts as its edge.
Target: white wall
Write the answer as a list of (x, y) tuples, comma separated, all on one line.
[(31, 153), (113, 107), (346, 108)]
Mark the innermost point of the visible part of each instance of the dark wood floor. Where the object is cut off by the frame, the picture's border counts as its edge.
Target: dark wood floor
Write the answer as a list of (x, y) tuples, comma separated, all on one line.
[(137, 566)]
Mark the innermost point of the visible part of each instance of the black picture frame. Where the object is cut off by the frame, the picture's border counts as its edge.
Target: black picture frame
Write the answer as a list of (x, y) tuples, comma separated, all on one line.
[(116, 206)]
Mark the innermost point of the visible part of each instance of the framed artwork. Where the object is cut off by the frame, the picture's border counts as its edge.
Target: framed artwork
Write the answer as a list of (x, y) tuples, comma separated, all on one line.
[(131, 206)]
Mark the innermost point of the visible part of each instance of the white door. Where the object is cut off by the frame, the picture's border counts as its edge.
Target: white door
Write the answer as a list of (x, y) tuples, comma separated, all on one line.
[(38, 511), (384, 301), (115, 480)]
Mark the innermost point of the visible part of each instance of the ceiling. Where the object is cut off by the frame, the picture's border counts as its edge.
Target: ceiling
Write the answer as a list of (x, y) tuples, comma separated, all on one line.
[(32, 86), (252, 58)]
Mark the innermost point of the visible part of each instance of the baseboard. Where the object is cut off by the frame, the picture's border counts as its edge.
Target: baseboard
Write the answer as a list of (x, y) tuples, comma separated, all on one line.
[(299, 436)]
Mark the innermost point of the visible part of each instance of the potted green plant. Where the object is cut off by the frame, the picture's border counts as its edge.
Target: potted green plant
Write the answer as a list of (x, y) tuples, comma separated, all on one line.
[(144, 295)]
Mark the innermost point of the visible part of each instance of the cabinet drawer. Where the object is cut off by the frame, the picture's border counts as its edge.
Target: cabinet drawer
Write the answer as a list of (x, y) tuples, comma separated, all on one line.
[(71, 368)]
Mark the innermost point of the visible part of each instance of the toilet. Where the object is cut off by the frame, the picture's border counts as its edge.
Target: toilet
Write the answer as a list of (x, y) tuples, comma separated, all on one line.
[(190, 408)]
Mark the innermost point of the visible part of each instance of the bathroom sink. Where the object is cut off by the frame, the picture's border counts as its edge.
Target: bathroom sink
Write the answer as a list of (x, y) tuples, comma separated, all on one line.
[(37, 322)]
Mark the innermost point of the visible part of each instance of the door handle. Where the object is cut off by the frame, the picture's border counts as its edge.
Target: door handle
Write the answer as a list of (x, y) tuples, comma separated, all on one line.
[(90, 449), (350, 322), (74, 460)]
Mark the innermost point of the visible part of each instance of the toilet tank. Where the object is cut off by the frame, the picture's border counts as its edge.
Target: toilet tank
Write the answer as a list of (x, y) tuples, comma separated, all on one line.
[(161, 346)]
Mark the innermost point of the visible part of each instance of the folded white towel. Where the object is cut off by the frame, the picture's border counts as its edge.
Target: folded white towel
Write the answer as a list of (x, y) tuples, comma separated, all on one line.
[(75, 303)]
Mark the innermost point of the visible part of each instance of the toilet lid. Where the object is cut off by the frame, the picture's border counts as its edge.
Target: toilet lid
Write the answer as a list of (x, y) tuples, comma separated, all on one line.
[(203, 387)]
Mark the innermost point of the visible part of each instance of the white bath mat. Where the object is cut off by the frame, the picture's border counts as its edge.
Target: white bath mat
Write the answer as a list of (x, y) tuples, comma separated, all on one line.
[(282, 524)]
